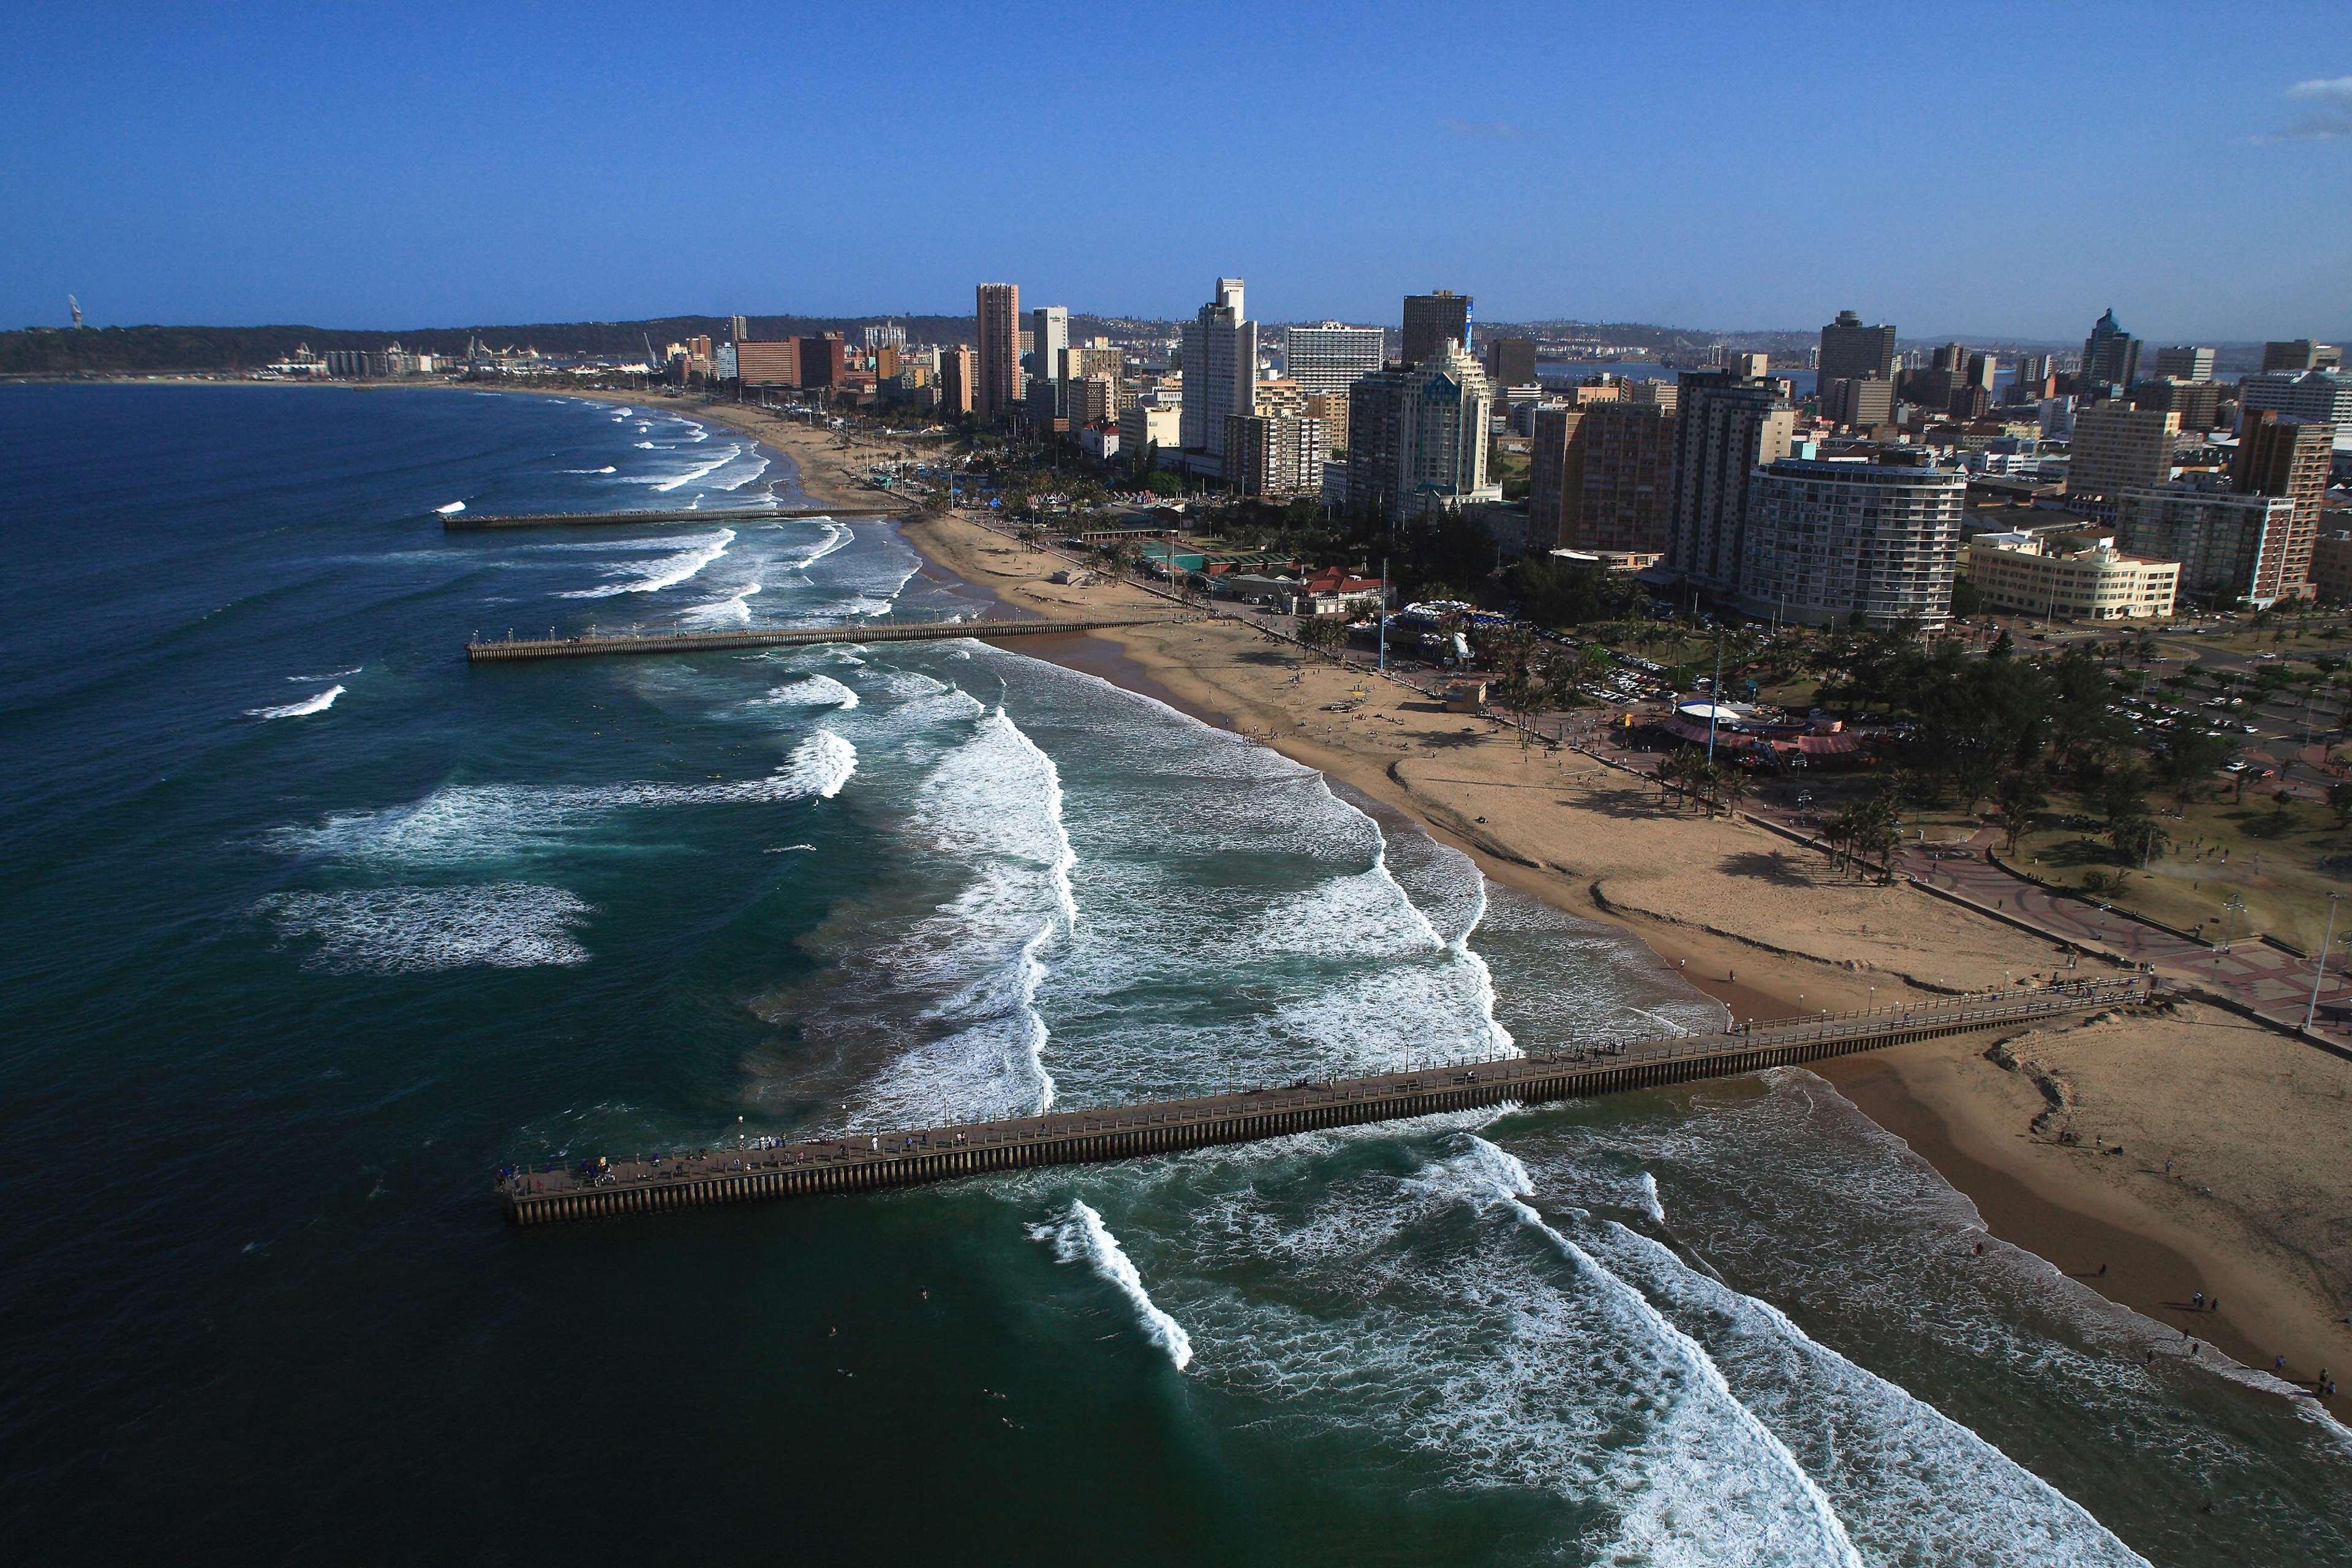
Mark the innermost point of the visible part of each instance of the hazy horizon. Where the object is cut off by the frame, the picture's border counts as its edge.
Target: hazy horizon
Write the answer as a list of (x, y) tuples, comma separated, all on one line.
[(1685, 168)]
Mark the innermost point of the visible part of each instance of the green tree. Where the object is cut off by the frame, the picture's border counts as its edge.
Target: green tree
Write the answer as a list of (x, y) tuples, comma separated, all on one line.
[(2020, 794), (2339, 802), (2138, 839)]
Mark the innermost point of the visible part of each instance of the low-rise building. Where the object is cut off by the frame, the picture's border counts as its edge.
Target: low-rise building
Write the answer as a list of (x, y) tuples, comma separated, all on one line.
[(2021, 574)]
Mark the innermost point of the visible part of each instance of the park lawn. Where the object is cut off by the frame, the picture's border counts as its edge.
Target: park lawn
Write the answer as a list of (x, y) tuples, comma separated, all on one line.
[(2283, 861)]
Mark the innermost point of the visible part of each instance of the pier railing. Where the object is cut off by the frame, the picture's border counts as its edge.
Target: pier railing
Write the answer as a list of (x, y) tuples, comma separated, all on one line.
[(771, 1168)]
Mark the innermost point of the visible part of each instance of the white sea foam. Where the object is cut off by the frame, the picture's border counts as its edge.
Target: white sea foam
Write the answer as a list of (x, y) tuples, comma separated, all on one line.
[(317, 703), (733, 611), (666, 573), (814, 691), (1922, 1483), (413, 930), (1651, 1202), (462, 824), (1082, 1238), (820, 765), (453, 507), (1815, 1529), (643, 445), (608, 468), (330, 674)]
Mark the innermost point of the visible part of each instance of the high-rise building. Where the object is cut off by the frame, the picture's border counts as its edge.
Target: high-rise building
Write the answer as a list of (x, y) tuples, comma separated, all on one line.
[(1828, 541), (2300, 354), (2305, 395), (1510, 361), (1849, 349), (1279, 449), (1329, 357), (738, 328), (2232, 548), (2110, 354), (1331, 409), (1432, 319), (1049, 341), (1728, 427), (1859, 402), (1983, 370), (1754, 366), (2033, 381), (1220, 349), (1417, 438), (825, 361), (2117, 447), (773, 362), (998, 321), (2331, 566), (959, 381), (2198, 403), (2185, 361), (2279, 455), (1602, 477)]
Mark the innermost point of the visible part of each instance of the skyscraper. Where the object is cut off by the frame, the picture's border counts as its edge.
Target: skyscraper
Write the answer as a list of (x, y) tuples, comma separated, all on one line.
[(1827, 542), (2118, 447), (1417, 438), (1510, 361), (2300, 353), (959, 380), (1220, 347), (2110, 354), (1849, 349), (2279, 455), (1049, 340), (1602, 477), (1325, 359), (2185, 361), (997, 318), (1728, 426), (1430, 318)]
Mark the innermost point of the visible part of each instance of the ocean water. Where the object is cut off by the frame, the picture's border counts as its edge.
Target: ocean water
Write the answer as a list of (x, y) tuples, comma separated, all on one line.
[(310, 927)]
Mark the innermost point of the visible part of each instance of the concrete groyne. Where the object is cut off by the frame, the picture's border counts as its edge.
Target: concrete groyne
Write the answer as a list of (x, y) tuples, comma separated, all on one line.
[(593, 645), (906, 1157)]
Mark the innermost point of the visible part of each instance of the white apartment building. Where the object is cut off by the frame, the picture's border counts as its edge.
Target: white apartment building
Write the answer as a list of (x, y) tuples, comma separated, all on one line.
[(1828, 541), (1220, 349)]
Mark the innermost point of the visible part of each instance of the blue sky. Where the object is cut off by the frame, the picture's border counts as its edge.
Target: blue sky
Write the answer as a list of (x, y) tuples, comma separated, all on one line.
[(1973, 171)]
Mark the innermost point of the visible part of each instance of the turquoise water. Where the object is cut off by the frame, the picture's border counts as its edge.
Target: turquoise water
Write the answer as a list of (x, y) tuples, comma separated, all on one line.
[(310, 927)]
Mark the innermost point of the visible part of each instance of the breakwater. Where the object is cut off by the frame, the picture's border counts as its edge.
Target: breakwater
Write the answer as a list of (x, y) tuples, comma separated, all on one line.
[(906, 1157), (475, 522), (593, 645)]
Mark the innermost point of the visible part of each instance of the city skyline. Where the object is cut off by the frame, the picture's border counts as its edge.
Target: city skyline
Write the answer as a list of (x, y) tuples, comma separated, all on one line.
[(579, 187)]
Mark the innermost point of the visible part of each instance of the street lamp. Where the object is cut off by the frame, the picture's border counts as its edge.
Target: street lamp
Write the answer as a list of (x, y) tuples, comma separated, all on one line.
[(2320, 975)]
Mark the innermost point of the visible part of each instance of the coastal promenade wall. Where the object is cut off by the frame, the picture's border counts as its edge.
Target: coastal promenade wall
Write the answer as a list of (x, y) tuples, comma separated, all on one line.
[(865, 1162)]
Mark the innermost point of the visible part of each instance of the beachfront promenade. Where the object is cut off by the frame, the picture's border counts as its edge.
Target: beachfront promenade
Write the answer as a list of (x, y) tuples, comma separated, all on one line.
[(593, 645), (863, 1162)]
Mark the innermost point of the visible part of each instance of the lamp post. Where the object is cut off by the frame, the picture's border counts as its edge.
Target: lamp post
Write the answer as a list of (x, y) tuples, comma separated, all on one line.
[(2320, 975)]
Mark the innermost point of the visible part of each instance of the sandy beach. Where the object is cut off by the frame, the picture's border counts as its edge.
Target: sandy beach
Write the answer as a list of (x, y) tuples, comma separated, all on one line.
[(2255, 1208)]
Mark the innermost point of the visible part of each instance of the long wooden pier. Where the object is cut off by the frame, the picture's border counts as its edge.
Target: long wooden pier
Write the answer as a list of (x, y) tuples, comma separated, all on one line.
[(478, 521), (596, 644), (863, 1162)]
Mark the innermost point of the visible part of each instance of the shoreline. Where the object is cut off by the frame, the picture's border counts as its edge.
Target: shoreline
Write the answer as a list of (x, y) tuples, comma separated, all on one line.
[(1838, 946)]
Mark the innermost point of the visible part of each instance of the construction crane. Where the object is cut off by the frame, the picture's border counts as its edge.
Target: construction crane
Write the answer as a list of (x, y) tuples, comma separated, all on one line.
[(75, 306)]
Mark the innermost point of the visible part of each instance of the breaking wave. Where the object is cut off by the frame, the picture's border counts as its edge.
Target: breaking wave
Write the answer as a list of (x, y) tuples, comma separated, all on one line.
[(318, 703), (1082, 1238)]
